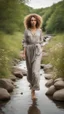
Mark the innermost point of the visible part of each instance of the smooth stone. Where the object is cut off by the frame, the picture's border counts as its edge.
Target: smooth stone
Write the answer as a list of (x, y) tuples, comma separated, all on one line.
[(16, 69), (51, 90), (7, 84), (18, 74), (59, 84), (4, 95), (59, 95), (48, 76), (12, 77), (49, 83), (42, 66), (48, 68), (58, 79)]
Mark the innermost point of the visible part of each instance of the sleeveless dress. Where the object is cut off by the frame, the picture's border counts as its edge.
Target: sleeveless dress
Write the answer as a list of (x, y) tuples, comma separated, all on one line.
[(33, 44)]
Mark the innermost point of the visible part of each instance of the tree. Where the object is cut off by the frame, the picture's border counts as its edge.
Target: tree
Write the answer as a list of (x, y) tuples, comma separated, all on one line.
[(10, 15), (56, 22)]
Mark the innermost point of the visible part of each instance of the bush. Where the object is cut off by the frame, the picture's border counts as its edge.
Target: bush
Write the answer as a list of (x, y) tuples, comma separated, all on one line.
[(47, 15), (12, 13), (56, 56), (56, 22), (10, 46)]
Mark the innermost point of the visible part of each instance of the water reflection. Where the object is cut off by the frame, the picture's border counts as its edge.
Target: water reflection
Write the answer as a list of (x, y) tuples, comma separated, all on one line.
[(59, 104), (37, 107), (33, 109), (1, 112)]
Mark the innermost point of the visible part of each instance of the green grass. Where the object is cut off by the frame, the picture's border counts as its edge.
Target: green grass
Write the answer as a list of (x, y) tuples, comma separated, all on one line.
[(55, 49), (10, 46)]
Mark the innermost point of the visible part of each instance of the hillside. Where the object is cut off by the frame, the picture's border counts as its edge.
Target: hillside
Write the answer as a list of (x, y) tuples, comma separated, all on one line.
[(12, 15), (11, 32), (53, 23), (53, 18)]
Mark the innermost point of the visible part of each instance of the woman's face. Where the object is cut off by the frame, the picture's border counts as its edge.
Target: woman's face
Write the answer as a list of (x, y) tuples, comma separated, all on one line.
[(33, 21)]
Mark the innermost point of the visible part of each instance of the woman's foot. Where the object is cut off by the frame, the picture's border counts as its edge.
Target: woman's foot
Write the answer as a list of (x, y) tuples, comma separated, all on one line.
[(30, 86), (33, 94)]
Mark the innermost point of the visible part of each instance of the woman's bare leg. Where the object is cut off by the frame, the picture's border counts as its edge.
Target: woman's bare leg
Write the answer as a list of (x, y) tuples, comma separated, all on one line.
[(33, 94)]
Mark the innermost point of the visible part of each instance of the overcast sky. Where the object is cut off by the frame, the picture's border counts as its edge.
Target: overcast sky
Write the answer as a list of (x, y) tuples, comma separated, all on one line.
[(41, 3)]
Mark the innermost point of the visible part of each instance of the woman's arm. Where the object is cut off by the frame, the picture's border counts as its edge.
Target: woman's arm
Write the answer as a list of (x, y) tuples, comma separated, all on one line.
[(24, 50), (24, 43), (41, 38)]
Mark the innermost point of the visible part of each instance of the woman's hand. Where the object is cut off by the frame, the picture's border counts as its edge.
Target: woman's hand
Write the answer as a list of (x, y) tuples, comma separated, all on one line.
[(24, 53), (24, 56)]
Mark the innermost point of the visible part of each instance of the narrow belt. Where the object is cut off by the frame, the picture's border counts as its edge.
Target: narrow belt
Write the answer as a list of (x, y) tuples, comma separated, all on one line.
[(35, 42)]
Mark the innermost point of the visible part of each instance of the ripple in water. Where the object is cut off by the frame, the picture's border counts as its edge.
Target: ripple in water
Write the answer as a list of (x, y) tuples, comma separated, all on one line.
[(22, 103)]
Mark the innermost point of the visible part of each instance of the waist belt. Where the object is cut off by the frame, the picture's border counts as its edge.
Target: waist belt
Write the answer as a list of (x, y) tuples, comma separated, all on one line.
[(35, 42)]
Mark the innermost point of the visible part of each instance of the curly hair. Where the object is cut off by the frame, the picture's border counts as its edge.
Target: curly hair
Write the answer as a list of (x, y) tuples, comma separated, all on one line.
[(27, 20)]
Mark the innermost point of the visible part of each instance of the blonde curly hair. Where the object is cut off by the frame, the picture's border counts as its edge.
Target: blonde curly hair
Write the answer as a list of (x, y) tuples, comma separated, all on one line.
[(27, 20)]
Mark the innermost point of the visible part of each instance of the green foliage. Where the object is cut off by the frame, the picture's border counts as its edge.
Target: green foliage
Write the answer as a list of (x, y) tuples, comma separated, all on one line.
[(8, 15), (12, 13), (53, 17), (53, 22), (47, 15), (10, 46), (56, 22), (55, 54)]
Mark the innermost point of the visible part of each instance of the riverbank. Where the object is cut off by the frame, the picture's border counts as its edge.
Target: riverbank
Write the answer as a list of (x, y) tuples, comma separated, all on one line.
[(55, 55), (22, 93), (48, 55), (10, 46)]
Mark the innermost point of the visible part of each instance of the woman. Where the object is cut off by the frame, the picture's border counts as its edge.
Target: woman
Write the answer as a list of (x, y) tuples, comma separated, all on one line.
[(32, 43)]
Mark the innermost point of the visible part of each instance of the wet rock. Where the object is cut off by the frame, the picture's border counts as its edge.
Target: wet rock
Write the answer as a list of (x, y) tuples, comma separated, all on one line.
[(13, 78), (22, 93), (47, 37), (1, 112), (7, 84), (16, 69), (8, 80), (49, 83), (59, 84), (58, 79), (48, 76), (4, 95), (18, 74), (24, 72), (48, 68), (59, 95), (15, 61), (51, 90), (42, 66)]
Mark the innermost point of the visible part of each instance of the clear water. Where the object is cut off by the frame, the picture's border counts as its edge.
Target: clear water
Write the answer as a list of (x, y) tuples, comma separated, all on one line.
[(23, 104)]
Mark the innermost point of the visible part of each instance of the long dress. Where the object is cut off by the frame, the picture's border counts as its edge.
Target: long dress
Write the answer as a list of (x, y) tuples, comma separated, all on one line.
[(33, 44)]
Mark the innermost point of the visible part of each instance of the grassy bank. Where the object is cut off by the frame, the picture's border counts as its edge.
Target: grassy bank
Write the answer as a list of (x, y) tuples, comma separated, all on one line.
[(10, 46), (55, 54)]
